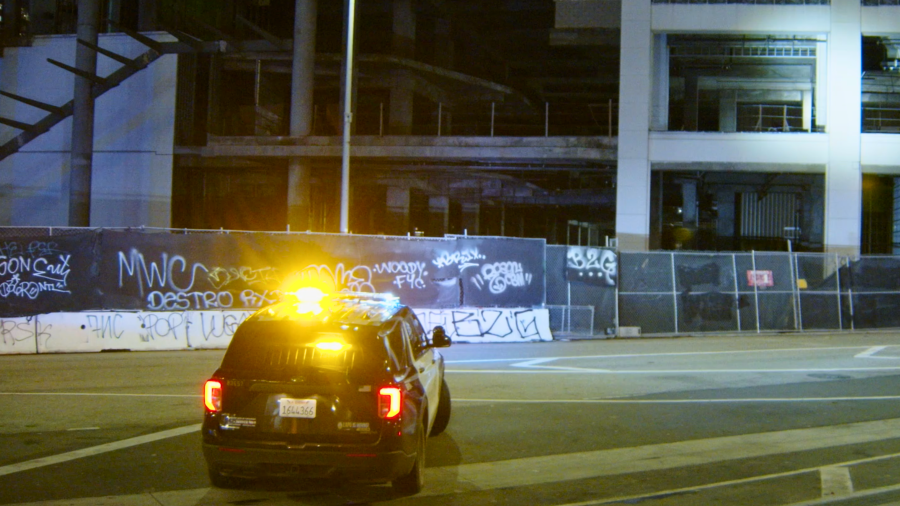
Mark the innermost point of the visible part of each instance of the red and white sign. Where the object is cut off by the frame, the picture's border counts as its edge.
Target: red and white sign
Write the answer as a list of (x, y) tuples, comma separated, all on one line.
[(761, 279)]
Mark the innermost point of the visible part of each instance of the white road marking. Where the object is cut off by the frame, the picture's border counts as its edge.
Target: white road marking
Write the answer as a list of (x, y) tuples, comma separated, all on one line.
[(595, 464), (172, 498), (752, 479), (96, 450), (98, 394), (870, 352), (535, 364), (532, 363), (871, 492), (671, 354), (75, 429), (681, 401), (836, 481), (577, 370)]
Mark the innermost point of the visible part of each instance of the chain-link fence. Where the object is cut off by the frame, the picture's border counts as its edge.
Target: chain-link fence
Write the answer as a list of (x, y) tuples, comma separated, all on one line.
[(679, 292), (577, 309)]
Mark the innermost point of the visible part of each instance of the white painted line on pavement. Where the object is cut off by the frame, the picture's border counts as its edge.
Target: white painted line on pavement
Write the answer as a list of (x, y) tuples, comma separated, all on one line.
[(871, 351), (532, 363), (577, 370), (836, 481), (75, 429), (535, 364), (671, 354), (527, 471), (189, 497), (98, 394), (620, 461), (680, 401), (752, 479), (96, 450)]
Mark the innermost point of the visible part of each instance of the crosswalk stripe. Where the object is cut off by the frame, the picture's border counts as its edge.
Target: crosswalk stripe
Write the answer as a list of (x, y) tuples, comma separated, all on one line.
[(543, 469), (594, 464)]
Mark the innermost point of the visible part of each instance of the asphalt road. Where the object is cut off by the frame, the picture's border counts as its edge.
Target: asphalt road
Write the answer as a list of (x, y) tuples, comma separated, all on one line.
[(774, 420)]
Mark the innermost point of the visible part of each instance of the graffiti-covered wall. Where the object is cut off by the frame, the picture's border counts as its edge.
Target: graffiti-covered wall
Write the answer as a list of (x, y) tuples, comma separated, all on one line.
[(166, 272), (93, 331)]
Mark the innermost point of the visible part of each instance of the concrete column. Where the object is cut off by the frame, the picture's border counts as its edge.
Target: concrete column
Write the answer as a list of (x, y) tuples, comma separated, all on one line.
[(659, 121), (633, 174), (113, 13), (147, 15), (807, 110), (79, 180), (691, 102), (400, 116), (896, 224), (471, 217), (303, 75), (11, 27), (438, 215), (843, 176), (397, 216), (812, 228), (821, 91), (725, 220), (727, 111), (443, 43), (689, 203)]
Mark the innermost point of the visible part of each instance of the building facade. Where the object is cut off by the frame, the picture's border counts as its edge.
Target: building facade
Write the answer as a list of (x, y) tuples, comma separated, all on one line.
[(695, 124)]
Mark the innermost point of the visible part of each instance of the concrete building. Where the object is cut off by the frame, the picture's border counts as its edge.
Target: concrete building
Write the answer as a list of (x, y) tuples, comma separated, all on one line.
[(688, 124)]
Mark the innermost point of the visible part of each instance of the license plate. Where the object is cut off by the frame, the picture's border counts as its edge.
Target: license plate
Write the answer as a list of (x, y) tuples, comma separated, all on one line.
[(297, 408)]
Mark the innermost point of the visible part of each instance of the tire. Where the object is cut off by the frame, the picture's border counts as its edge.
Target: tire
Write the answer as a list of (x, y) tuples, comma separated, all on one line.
[(413, 482), (442, 418)]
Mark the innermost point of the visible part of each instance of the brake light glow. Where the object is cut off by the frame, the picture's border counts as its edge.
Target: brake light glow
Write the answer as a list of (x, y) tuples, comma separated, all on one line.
[(212, 396), (389, 402)]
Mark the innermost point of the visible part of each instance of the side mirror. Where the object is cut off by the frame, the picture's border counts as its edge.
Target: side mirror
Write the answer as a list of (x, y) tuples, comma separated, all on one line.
[(439, 338)]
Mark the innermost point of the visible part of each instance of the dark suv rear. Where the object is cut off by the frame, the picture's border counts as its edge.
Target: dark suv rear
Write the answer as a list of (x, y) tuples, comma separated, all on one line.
[(344, 387)]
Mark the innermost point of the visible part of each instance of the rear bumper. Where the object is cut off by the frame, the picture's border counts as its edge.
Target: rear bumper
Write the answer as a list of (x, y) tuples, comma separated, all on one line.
[(348, 463)]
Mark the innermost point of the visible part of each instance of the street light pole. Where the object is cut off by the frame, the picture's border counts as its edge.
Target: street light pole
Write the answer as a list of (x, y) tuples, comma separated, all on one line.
[(348, 118)]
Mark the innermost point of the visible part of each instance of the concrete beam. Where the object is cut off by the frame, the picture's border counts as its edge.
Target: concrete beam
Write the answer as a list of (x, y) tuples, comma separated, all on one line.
[(548, 150)]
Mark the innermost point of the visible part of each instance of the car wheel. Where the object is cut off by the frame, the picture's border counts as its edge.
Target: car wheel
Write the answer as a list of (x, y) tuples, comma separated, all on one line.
[(414, 481), (442, 418)]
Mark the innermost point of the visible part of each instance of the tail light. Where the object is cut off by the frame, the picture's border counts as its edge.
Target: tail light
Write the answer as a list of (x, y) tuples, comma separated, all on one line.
[(389, 401), (212, 396)]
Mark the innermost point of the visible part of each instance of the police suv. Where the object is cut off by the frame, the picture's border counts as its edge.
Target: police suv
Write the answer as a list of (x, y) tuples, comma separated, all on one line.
[(343, 386)]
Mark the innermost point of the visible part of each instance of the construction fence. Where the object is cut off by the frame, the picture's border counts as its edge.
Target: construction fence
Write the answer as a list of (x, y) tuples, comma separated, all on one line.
[(587, 291)]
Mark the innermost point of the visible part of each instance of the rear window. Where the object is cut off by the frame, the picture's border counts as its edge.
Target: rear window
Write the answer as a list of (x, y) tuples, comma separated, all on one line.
[(274, 348)]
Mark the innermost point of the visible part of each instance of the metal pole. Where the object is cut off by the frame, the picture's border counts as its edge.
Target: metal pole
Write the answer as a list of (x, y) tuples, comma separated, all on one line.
[(737, 293), (256, 88), (493, 109), (618, 262), (546, 119), (82, 155), (755, 288), (610, 120), (348, 118), (837, 265), (674, 291), (795, 292), (568, 316)]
